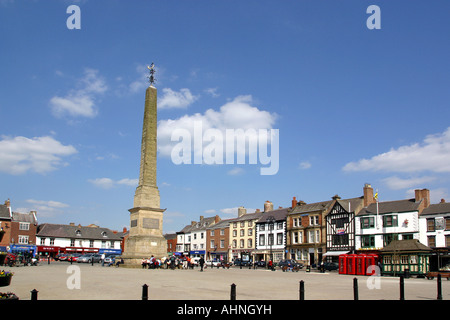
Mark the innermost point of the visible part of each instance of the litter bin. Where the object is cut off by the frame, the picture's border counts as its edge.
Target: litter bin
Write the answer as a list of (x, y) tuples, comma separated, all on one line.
[(308, 268), (407, 273)]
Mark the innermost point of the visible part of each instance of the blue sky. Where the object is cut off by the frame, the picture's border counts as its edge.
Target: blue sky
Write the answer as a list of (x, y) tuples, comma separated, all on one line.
[(352, 105)]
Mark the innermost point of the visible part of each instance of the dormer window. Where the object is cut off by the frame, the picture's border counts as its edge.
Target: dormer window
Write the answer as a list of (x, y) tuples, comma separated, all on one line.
[(104, 235), (78, 233)]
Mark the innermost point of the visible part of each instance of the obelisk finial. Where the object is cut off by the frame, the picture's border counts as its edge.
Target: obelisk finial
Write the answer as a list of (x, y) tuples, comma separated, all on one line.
[(151, 77)]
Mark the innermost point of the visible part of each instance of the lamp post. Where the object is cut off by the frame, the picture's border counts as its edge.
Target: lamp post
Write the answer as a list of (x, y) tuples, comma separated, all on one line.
[(271, 221)]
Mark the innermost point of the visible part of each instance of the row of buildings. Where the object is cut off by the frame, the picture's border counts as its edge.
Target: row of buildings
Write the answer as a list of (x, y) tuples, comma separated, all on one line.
[(306, 232), (320, 231)]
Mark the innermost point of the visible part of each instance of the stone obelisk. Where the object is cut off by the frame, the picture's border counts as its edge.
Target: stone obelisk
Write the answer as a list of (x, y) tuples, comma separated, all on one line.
[(146, 217)]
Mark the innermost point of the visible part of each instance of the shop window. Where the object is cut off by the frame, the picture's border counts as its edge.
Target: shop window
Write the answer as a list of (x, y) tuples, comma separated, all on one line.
[(413, 259), (404, 259)]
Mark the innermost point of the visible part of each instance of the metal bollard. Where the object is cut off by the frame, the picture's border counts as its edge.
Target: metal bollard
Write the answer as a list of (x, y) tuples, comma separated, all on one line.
[(145, 292), (233, 292), (402, 288), (439, 287), (34, 293), (355, 289), (302, 290)]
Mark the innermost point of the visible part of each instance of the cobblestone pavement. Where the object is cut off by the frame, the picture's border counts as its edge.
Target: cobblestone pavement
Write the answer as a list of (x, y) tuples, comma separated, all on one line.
[(62, 281)]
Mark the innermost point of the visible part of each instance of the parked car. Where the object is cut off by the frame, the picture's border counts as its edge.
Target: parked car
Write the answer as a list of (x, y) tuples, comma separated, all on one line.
[(214, 263), (261, 264), (290, 263), (244, 263), (331, 266), (110, 258), (73, 257), (89, 257), (62, 257)]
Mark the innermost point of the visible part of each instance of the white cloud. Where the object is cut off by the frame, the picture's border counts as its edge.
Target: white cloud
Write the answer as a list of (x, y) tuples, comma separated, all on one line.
[(80, 102), (397, 183), (174, 99), (44, 208), (107, 183), (305, 165), (235, 171), (19, 155), (433, 154), (236, 114), (212, 92)]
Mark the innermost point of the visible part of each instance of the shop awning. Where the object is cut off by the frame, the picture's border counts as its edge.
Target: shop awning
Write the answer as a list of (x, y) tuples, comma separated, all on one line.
[(334, 253)]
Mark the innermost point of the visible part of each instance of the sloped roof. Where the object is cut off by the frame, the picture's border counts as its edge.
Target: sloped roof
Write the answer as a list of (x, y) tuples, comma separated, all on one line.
[(249, 216), (68, 231), (412, 245), (221, 224), (24, 217), (352, 204), (4, 212), (277, 214), (200, 225), (437, 208), (311, 207), (391, 206)]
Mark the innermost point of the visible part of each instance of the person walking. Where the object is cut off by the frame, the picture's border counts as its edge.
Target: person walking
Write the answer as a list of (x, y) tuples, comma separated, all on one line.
[(201, 262)]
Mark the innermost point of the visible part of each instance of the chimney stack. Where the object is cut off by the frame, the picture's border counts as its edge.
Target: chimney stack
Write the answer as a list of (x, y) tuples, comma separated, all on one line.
[(241, 211), (442, 200), (423, 194), (368, 195), (294, 202), (268, 206)]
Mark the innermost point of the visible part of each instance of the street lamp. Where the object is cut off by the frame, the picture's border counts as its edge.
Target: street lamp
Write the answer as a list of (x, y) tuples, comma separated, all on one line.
[(271, 221)]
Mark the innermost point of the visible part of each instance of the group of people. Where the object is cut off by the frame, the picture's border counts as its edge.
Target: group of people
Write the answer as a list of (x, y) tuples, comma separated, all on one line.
[(172, 262)]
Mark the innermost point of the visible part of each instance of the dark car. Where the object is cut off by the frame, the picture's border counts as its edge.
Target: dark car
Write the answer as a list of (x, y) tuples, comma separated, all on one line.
[(239, 262), (261, 264), (289, 263), (331, 266)]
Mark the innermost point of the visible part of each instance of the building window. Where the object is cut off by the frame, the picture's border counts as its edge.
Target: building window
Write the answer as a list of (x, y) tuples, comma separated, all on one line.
[(222, 232), (211, 244), (387, 238), (279, 238), (368, 241), (24, 226), (242, 232), (78, 233), (413, 259), (262, 240), (222, 243), (447, 241), (235, 225), (407, 236), (212, 233), (250, 223), (52, 241), (91, 243), (340, 239), (295, 222), (367, 223), (314, 220), (72, 242), (249, 243), (262, 227), (390, 221), (270, 240), (280, 225), (250, 232), (431, 225), (447, 223), (241, 243), (23, 239), (202, 235), (42, 241), (431, 241), (234, 233), (295, 237), (242, 224), (404, 260)]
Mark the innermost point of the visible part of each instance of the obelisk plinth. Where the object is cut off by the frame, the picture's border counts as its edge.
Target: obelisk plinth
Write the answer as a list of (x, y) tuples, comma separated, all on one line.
[(146, 217)]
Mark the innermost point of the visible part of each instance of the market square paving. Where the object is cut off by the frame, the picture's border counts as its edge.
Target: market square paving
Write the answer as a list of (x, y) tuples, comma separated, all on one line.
[(57, 281)]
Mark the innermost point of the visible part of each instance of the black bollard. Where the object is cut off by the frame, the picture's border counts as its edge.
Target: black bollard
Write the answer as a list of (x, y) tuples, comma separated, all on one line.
[(145, 292), (402, 288), (302, 290), (439, 287), (233, 292), (34, 293), (355, 289)]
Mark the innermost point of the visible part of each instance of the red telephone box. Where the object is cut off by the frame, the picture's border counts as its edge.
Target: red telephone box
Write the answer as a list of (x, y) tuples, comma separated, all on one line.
[(343, 264), (361, 264), (351, 263), (371, 260)]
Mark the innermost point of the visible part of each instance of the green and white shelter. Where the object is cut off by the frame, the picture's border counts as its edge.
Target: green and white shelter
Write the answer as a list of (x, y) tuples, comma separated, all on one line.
[(405, 256)]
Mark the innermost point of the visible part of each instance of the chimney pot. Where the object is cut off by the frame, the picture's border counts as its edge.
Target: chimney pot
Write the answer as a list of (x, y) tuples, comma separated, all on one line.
[(268, 206), (442, 200), (294, 202)]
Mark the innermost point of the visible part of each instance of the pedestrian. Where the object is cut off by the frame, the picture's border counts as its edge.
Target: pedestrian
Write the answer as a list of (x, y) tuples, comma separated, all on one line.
[(103, 259), (201, 262)]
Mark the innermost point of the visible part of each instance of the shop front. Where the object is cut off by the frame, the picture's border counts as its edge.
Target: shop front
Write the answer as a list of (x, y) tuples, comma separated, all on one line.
[(22, 249), (51, 251), (197, 253), (109, 251)]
